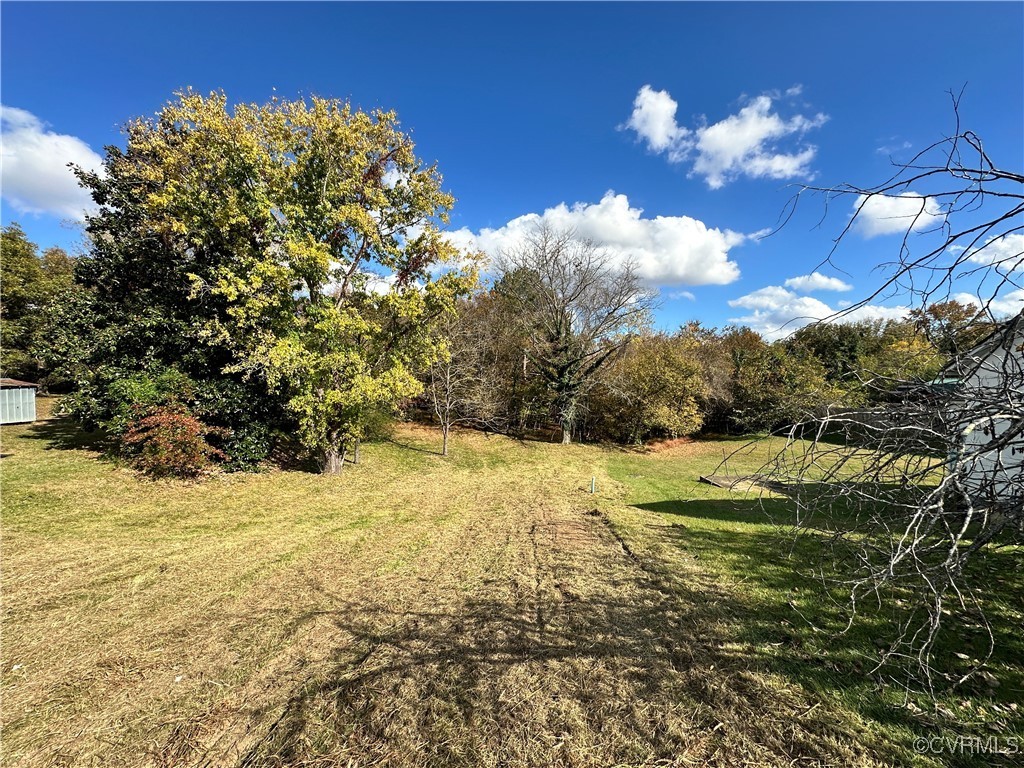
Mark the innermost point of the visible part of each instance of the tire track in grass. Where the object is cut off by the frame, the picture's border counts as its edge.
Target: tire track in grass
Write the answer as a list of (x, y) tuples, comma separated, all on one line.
[(477, 619)]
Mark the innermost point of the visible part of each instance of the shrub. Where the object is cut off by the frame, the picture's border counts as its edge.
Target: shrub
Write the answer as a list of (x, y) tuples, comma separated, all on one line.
[(167, 441), (135, 395), (242, 419)]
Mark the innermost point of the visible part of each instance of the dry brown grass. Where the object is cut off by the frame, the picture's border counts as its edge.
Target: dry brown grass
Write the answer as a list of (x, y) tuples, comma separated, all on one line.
[(478, 611)]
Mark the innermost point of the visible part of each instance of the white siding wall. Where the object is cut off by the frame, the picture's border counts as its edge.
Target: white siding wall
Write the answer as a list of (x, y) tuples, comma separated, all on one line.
[(17, 405), (994, 398)]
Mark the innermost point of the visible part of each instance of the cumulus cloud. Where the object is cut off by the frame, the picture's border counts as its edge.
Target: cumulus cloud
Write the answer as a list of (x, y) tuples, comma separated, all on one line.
[(895, 214), (1005, 253), (35, 176), (667, 250), (654, 120), (1008, 304), (377, 284), (393, 177), (776, 312), (749, 143), (817, 282)]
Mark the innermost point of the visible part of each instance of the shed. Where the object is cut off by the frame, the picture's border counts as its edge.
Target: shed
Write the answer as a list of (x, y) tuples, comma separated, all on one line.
[(986, 413), (17, 401)]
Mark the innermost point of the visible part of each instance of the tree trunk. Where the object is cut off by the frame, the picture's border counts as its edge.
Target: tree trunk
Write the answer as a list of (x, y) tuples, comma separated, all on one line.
[(332, 461), (565, 407), (444, 440), (334, 456)]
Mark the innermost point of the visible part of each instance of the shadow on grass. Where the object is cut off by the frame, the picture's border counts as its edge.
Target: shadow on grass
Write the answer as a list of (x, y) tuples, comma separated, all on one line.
[(663, 666), (795, 621), (65, 434), (550, 679), (407, 446), (289, 455)]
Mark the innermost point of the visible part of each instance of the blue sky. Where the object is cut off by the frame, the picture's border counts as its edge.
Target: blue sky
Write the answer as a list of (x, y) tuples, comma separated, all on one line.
[(563, 111)]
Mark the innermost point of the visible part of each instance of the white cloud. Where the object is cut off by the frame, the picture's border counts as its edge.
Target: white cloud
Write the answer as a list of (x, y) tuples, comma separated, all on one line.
[(1001, 306), (668, 250), (688, 295), (874, 312), (895, 214), (393, 177), (654, 120), (817, 282), (889, 149), (380, 284), (748, 143), (776, 312), (745, 144), (35, 174), (1006, 253)]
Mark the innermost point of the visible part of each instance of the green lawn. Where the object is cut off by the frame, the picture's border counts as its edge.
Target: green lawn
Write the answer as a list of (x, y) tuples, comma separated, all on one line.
[(483, 609), (781, 615)]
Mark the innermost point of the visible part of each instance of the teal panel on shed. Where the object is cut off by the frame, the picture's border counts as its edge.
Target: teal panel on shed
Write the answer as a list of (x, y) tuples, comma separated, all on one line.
[(17, 405)]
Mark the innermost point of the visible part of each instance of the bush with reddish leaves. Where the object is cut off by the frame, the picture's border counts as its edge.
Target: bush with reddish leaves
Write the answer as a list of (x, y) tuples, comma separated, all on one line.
[(167, 441)]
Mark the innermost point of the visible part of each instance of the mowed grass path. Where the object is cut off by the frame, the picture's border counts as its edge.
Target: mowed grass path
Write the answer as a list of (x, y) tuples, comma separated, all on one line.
[(480, 610)]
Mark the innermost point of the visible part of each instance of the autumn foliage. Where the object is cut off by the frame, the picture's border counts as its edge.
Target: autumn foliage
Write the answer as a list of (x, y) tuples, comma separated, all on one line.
[(167, 441)]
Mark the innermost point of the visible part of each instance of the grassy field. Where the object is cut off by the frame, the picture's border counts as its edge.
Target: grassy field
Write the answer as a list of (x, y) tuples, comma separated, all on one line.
[(480, 610)]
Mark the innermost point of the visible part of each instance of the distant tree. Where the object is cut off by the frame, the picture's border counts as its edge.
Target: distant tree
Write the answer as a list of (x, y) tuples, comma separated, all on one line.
[(577, 309), (707, 348), (869, 359), (773, 386), (22, 296), (504, 393), (837, 346), (952, 328), (58, 269), (455, 381), (898, 355), (652, 390), (29, 283)]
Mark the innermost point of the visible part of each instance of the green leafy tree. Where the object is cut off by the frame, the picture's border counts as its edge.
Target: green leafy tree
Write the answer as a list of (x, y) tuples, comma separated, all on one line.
[(653, 390), (708, 349), (134, 312), (291, 246), (29, 283), (773, 386), (953, 328), (871, 359), (899, 355), (837, 346)]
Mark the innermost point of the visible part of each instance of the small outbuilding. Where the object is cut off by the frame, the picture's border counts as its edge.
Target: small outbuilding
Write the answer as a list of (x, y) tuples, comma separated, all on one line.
[(17, 401), (986, 415)]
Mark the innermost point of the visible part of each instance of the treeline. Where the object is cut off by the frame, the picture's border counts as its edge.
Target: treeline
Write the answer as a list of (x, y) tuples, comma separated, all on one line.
[(275, 278), (694, 380), (132, 367)]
